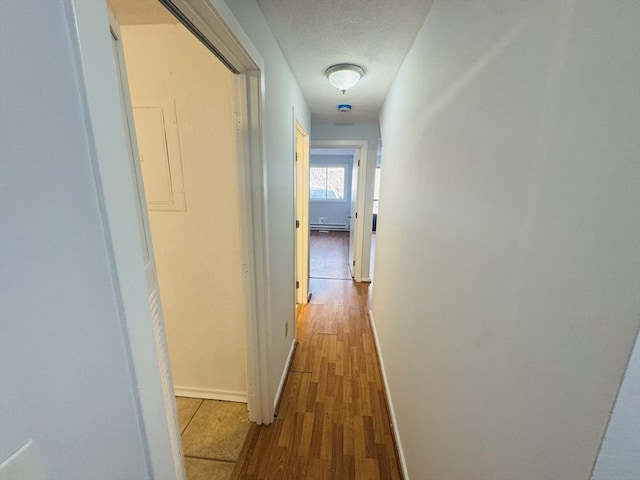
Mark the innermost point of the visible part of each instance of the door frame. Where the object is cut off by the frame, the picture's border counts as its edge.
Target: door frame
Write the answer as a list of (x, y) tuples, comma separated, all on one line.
[(362, 146), (301, 139), (106, 132)]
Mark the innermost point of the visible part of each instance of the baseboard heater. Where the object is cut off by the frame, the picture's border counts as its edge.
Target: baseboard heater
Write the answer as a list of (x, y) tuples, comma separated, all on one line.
[(329, 226)]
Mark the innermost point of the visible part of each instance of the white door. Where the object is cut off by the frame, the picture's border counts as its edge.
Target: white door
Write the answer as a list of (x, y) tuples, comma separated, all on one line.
[(353, 213), (147, 248)]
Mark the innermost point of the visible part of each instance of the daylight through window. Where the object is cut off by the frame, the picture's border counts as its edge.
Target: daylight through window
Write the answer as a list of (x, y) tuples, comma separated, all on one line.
[(376, 191), (327, 183)]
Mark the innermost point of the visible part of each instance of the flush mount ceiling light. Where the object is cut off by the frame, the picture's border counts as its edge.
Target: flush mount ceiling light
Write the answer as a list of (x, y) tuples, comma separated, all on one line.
[(344, 76)]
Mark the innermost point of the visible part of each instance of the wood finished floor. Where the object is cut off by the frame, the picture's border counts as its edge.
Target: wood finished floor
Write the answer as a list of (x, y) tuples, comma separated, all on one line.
[(329, 255), (333, 421)]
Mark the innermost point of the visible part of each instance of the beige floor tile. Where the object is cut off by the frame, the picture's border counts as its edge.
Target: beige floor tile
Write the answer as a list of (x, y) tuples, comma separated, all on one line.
[(199, 469), (217, 431), (186, 408)]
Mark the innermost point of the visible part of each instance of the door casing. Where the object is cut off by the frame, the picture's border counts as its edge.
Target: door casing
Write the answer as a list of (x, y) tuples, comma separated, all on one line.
[(106, 130)]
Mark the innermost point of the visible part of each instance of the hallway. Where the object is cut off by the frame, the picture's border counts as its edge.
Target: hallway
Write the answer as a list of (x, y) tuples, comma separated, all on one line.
[(332, 421)]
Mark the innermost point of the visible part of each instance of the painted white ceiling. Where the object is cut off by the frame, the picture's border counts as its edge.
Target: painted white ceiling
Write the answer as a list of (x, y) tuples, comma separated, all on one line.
[(315, 34)]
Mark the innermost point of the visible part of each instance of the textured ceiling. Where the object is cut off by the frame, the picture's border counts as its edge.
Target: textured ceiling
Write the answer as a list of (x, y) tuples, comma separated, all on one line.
[(140, 12), (315, 34)]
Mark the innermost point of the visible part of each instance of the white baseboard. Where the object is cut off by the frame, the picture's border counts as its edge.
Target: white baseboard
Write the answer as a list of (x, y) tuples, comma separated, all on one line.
[(211, 394), (392, 413), (284, 375)]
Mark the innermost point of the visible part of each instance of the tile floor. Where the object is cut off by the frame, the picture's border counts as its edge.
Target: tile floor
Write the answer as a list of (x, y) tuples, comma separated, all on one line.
[(213, 433)]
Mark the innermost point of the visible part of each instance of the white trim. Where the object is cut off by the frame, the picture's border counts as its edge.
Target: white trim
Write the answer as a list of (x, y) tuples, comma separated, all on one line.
[(285, 372), (254, 248), (361, 145), (211, 394), (394, 423)]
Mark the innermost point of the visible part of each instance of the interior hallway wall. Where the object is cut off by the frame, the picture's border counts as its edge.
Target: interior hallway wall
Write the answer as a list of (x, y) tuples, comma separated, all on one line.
[(66, 380), (283, 101), (197, 250), (362, 131), (507, 271)]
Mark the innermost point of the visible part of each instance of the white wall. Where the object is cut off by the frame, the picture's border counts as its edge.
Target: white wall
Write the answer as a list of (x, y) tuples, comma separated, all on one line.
[(197, 251), (335, 211), (361, 131), (65, 375), (619, 457), (506, 296), (283, 101)]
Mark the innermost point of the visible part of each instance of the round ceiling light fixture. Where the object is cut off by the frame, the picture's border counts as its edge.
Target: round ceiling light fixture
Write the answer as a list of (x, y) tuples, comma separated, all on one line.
[(344, 108), (344, 76)]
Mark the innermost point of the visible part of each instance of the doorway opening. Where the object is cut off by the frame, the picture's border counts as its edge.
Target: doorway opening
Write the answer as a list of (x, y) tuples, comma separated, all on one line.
[(107, 107), (332, 201), (181, 100), (184, 143), (336, 195)]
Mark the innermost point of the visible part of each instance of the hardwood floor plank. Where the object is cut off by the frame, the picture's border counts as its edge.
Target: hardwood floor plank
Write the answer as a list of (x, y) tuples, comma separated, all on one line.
[(306, 435), (326, 447), (348, 445), (303, 393), (369, 437), (359, 447), (367, 469), (311, 397), (383, 461)]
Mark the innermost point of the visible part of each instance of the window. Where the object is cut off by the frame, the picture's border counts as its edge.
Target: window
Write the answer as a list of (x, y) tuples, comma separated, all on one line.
[(376, 191), (327, 182)]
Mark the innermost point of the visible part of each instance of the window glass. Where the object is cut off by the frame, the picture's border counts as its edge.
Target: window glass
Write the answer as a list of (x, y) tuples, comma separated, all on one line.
[(327, 183), (318, 182)]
